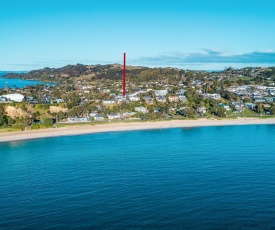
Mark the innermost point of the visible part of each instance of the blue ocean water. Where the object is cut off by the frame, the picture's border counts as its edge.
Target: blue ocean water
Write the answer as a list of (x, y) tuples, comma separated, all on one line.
[(195, 178), (14, 82)]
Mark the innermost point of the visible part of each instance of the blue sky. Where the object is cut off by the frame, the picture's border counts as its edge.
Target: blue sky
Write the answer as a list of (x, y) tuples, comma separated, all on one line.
[(189, 34)]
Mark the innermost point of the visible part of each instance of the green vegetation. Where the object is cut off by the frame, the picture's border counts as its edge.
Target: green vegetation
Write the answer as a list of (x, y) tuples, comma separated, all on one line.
[(82, 90)]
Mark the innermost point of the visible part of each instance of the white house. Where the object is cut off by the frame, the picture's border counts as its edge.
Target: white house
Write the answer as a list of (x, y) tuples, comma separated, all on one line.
[(112, 116), (127, 114), (212, 95), (161, 93), (99, 118), (161, 99), (78, 119), (92, 114), (181, 92), (134, 98), (14, 97), (225, 106), (201, 109), (108, 102), (3, 98), (182, 98), (141, 109), (59, 100)]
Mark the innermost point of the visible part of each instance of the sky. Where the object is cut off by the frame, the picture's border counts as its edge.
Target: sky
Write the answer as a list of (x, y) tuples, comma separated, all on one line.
[(187, 34)]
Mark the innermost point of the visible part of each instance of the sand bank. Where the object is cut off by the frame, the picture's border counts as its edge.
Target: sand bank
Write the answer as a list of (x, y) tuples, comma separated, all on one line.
[(115, 127)]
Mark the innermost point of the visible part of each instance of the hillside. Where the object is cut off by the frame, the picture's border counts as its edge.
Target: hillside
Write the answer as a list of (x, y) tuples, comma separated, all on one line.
[(98, 72), (77, 71)]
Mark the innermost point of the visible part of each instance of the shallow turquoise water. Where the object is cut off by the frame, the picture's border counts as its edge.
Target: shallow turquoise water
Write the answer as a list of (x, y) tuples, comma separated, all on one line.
[(14, 82), (199, 178)]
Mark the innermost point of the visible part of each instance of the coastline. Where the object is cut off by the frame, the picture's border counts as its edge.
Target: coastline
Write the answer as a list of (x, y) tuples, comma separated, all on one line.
[(121, 127)]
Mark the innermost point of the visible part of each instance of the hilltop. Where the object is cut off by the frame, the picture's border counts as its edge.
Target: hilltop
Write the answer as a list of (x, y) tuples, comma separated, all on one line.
[(91, 73), (88, 72)]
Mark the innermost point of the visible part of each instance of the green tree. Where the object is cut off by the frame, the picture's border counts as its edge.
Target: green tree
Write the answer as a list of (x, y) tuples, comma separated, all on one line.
[(3, 120), (218, 111), (61, 116), (259, 108), (48, 122), (272, 109), (189, 113)]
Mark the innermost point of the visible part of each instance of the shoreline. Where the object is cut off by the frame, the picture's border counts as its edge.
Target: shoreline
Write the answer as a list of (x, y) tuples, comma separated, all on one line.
[(122, 127)]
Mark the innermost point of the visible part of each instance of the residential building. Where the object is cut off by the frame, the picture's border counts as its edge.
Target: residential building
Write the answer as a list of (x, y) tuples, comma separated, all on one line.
[(113, 116), (161, 93), (172, 98), (141, 109), (14, 97)]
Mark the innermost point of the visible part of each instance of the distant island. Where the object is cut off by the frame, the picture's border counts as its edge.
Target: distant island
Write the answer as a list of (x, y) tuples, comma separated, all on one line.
[(92, 94)]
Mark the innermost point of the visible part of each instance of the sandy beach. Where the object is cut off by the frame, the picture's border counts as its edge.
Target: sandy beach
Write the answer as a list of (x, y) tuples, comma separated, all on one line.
[(117, 127)]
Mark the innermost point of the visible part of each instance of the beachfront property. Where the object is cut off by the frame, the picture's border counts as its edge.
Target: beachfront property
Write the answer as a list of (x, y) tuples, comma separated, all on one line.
[(99, 118), (78, 119), (201, 109), (226, 107), (127, 114), (113, 116)]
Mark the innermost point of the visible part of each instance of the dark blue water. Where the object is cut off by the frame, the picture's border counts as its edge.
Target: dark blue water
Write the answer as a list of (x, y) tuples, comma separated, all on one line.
[(200, 178), (14, 82)]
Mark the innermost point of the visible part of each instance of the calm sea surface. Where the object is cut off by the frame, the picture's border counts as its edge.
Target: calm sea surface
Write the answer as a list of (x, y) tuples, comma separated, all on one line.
[(14, 82), (199, 178)]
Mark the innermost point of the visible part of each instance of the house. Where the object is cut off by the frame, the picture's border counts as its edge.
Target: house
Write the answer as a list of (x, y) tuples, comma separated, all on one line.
[(201, 109), (3, 98), (237, 104), (29, 98), (14, 97), (269, 99), (127, 114), (108, 102), (93, 114), (161, 99), (59, 100), (250, 105), (181, 92), (78, 119), (148, 98), (182, 98), (141, 109), (259, 99), (105, 90), (172, 98), (225, 106), (212, 95), (113, 116), (99, 118), (161, 93), (134, 98)]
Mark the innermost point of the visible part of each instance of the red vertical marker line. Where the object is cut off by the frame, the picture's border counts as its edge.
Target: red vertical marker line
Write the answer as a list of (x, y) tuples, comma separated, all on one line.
[(124, 76)]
